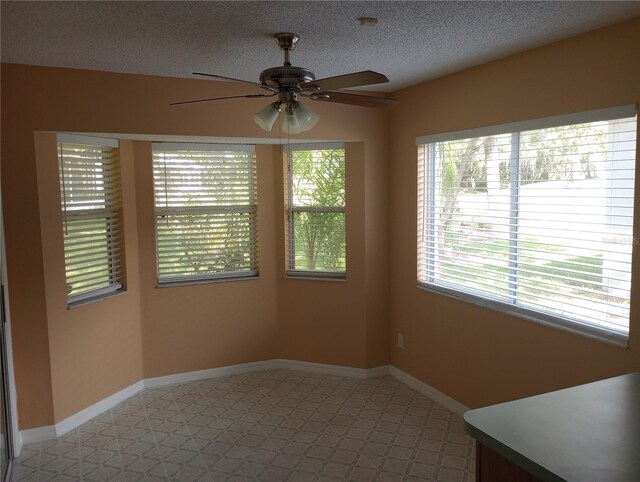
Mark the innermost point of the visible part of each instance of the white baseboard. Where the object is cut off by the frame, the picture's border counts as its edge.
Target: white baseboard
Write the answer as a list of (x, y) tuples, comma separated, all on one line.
[(337, 370), (428, 391), (210, 373), (53, 431), (38, 434), (74, 421), (96, 409), (378, 372)]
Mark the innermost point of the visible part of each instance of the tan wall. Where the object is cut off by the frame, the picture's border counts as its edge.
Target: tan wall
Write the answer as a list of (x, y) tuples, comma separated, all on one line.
[(96, 348), (194, 327), (379, 163), (26, 279), (353, 329), (475, 355), (310, 329), (68, 359)]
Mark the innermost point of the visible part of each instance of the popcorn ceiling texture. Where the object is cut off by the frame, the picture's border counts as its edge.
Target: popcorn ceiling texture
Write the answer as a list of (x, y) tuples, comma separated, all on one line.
[(413, 42)]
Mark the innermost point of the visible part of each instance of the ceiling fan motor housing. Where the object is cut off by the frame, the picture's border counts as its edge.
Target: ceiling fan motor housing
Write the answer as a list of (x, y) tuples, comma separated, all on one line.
[(288, 82), (286, 77)]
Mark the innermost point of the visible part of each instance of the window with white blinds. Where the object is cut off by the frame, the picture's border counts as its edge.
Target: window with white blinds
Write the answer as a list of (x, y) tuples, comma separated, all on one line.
[(534, 218), (205, 204), (92, 216), (316, 214)]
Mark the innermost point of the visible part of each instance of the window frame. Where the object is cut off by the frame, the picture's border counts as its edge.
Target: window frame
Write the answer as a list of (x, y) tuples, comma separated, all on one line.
[(252, 209), (426, 203), (118, 287), (290, 270)]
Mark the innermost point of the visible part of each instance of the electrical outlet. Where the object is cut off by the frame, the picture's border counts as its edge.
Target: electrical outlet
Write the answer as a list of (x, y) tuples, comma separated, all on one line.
[(400, 340)]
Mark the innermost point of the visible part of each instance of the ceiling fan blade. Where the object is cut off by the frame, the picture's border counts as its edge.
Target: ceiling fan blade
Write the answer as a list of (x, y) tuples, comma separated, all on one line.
[(248, 96), (356, 79), (231, 79), (354, 99)]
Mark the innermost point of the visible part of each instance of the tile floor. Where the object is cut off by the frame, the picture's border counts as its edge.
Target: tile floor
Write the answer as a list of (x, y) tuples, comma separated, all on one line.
[(277, 425)]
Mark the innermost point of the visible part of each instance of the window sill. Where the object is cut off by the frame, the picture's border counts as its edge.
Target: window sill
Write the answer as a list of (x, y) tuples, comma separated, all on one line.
[(317, 276), (595, 333), (190, 282), (94, 299)]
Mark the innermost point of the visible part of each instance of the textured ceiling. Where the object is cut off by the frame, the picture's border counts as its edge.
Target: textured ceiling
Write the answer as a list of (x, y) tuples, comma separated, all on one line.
[(414, 41)]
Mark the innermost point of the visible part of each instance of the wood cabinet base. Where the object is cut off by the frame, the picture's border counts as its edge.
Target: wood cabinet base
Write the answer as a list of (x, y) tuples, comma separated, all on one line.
[(493, 467)]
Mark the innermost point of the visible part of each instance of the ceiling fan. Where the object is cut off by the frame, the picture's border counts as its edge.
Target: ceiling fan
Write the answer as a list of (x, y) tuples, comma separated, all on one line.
[(289, 83)]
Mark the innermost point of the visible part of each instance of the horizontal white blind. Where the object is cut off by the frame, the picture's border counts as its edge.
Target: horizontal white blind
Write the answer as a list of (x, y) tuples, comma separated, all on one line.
[(92, 218), (316, 198), (540, 222), (205, 202)]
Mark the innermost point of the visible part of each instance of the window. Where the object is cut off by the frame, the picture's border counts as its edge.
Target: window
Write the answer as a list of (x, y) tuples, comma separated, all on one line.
[(92, 216), (316, 211), (205, 203), (534, 218)]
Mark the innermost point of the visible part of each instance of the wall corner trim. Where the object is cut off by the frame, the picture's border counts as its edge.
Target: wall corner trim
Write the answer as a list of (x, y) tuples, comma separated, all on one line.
[(49, 432), (428, 391)]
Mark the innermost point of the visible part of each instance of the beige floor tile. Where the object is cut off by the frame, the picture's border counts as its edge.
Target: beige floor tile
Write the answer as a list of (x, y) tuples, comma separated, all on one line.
[(268, 426)]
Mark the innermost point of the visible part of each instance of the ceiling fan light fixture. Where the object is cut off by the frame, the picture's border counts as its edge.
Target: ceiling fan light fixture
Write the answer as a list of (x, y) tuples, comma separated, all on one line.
[(267, 116), (305, 116), (290, 124)]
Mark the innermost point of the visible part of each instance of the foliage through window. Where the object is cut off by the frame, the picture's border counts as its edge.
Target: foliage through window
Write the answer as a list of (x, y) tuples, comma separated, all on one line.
[(205, 203), (537, 222), (316, 214), (92, 216)]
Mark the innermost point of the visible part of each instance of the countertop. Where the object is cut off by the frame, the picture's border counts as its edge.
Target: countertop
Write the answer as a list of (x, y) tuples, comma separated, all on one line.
[(588, 433)]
